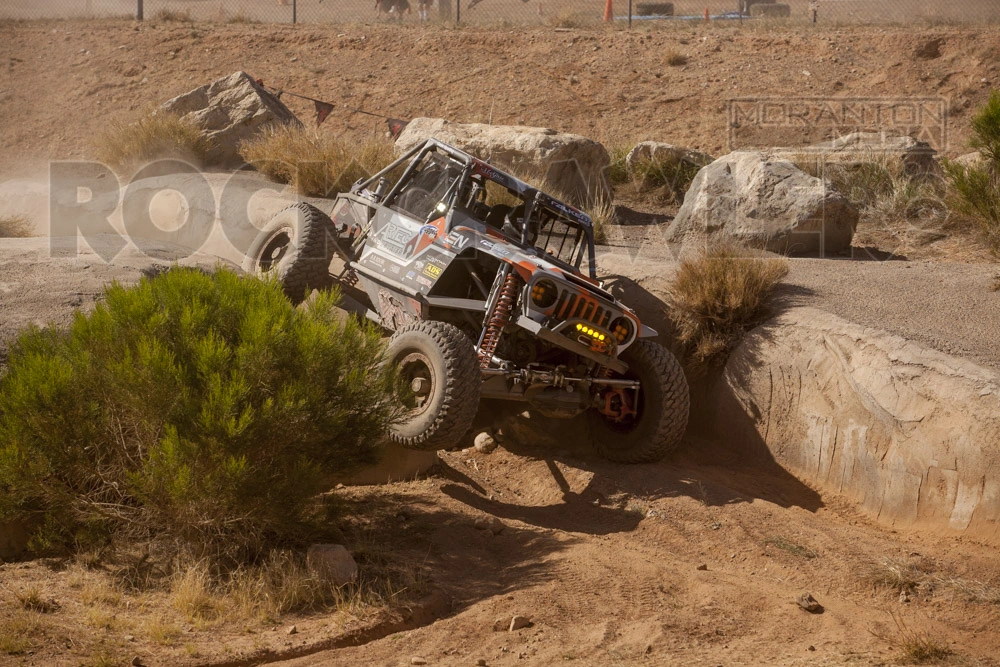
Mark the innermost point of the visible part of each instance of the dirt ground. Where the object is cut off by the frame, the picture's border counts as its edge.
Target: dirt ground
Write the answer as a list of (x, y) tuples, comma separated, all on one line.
[(697, 560)]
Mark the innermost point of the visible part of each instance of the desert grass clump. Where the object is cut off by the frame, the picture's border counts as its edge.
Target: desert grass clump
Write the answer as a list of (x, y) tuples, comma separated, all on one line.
[(18, 631), (15, 226), (916, 647), (675, 58), (316, 165), (199, 414), (717, 296), (671, 177), (128, 146), (902, 575), (173, 15)]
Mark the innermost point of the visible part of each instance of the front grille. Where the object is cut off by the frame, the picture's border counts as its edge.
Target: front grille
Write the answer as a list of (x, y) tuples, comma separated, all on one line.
[(573, 305)]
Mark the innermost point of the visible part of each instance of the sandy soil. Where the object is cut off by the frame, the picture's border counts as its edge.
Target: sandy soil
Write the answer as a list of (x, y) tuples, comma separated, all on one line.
[(62, 83), (604, 560)]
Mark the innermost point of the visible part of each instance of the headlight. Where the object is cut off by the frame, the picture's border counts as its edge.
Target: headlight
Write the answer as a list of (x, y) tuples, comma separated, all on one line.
[(590, 331), (544, 293), (622, 329)]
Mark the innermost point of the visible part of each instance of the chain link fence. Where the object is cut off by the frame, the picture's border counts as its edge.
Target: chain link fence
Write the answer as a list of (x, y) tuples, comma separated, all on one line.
[(557, 13)]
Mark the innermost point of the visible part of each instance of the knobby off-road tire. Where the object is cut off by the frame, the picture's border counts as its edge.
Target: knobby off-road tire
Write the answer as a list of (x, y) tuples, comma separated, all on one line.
[(662, 409), (443, 408), (297, 246)]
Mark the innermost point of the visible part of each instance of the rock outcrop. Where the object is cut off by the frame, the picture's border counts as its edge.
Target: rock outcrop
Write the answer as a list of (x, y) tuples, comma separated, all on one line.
[(229, 111)]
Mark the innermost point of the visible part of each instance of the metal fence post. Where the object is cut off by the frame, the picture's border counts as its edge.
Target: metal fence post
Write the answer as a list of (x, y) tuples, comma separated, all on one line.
[(138, 10), (629, 14), (295, 12), (458, 11)]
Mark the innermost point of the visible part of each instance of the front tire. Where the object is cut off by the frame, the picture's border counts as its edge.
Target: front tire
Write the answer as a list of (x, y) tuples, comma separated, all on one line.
[(439, 364), (297, 247), (661, 413)]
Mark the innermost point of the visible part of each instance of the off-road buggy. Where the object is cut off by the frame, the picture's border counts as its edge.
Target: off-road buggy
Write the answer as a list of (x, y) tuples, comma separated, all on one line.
[(489, 287)]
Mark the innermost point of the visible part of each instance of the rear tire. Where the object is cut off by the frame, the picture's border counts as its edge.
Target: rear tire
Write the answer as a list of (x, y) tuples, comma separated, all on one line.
[(297, 246), (439, 363), (662, 410)]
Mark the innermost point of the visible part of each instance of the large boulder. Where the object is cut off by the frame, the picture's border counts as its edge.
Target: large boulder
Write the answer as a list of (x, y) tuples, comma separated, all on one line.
[(568, 165), (912, 156), (229, 111), (764, 202)]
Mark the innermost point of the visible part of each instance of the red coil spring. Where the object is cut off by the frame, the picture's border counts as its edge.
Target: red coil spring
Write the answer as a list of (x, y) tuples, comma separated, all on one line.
[(499, 318)]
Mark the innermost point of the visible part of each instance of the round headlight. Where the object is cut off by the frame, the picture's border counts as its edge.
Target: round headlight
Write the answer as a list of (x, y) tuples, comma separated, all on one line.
[(544, 293), (622, 329)]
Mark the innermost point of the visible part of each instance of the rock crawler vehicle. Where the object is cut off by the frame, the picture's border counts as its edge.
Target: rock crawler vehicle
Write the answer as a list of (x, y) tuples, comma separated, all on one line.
[(489, 288)]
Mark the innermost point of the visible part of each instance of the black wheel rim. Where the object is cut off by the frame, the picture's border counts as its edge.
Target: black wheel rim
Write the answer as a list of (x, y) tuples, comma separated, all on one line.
[(417, 376), (274, 250)]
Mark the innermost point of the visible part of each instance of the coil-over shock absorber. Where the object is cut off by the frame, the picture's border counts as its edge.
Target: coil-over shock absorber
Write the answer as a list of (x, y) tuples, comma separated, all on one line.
[(499, 316)]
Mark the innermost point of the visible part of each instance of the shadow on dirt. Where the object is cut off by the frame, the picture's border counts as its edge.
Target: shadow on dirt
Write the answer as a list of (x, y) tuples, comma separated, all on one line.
[(422, 543)]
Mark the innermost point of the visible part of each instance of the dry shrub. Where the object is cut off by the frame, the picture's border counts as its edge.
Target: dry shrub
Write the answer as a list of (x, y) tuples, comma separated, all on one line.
[(916, 647), (15, 226), (17, 632), (573, 19), (124, 147), (675, 58), (177, 15), (717, 296), (316, 165), (901, 575)]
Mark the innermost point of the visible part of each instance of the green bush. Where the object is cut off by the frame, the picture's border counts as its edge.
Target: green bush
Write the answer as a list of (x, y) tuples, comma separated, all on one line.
[(975, 189), (986, 130), (199, 411)]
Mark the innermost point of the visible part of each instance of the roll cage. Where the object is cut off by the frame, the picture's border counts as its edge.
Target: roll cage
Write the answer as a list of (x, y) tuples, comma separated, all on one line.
[(438, 178)]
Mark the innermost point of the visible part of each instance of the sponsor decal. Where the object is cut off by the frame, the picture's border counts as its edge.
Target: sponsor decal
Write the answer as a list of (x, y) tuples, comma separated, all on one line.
[(456, 240), (429, 230), (395, 239), (394, 268), (418, 265), (410, 275), (432, 271), (423, 281)]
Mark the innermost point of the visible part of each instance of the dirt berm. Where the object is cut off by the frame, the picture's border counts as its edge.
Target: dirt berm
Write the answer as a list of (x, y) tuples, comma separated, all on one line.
[(910, 434)]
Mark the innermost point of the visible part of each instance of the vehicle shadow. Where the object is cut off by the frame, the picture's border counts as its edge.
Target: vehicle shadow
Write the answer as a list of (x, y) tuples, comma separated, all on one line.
[(421, 545)]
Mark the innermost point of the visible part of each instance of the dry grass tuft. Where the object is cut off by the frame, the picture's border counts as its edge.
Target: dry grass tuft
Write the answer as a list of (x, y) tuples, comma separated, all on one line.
[(17, 630), (995, 285), (316, 165), (573, 19), (15, 226), (901, 575), (604, 216), (173, 15), (794, 548), (916, 647), (125, 147), (719, 295), (675, 58), (32, 600), (241, 18)]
